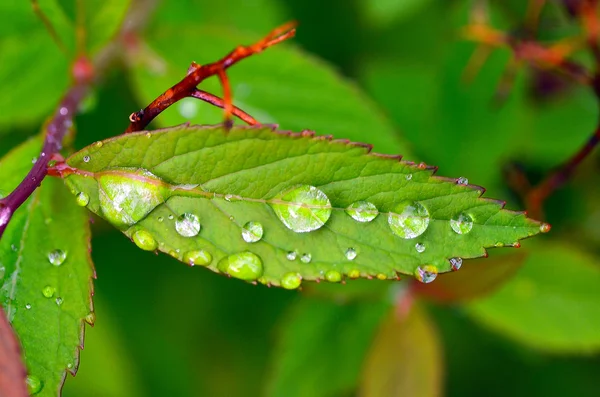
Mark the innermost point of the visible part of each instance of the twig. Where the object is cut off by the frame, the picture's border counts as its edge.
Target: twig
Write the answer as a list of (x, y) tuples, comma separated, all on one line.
[(196, 74), (216, 101), (12, 371)]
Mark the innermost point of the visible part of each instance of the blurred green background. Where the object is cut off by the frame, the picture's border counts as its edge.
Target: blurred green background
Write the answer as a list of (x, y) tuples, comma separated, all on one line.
[(388, 72)]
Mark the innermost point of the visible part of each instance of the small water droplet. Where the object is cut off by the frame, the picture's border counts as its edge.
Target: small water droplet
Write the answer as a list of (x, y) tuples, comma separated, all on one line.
[(13, 247), (59, 301), (34, 384), (28, 306), (409, 220), (160, 219), (291, 280), (426, 274), (82, 199), (354, 273), (48, 291), (228, 197), (86, 159), (408, 177), (462, 223), (187, 225), (90, 318), (197, 257), (456, 263), (57, 257), (2, 272), (33, 160), (98, 144), (306, 258), (362, 211), (545, 227), (70, 366), (381, 276), (302, 208), (171, 216), (462, 181), (144, 240), (420, 247), (244, 265), (333, 276), (350, 254), (291, 255), (252, 232)]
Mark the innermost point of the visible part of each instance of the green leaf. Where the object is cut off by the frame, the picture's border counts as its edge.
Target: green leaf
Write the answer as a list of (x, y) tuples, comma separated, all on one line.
[(384, 12), (45, 274), (338, 335), (193, 191), (552, 302), (405, 358)]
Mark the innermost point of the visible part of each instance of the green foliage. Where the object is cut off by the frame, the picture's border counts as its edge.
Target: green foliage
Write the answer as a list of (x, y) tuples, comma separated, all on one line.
[(46, 275)]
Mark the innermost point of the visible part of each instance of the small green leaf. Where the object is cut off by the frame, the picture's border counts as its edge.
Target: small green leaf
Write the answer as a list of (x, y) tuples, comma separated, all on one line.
[(197, 188), (552, 302), (337, 335), (45, 274), (405, 359)]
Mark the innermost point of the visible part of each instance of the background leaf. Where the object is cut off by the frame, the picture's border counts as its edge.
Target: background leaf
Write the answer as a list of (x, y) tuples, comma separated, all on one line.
[(46, 275)]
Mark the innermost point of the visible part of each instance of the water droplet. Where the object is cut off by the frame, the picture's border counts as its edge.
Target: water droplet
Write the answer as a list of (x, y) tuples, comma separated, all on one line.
[(2, 272), (28, 306), (333, 276), (33, 160), (302, 208), (13, 247), (197, 257), (350, 254), (409, 220), (34, 384), (144, 240), (381, 276), (98, 144), (462, 223), (462, 181), (69, 365), (291, 280), (59, 301), (48, 291), (82, 199), (426, 274), (354, 273), (187, 225), (90, 318), (126, 200), (57, 257), (160, 219), (291, 255), (408, 177), (252, 232), (456, 263), (188, 108), (244, 265), (171, 216), (228, 197), (545, 227), (86, 159), (362, 211), (420, 247), (306, 258)]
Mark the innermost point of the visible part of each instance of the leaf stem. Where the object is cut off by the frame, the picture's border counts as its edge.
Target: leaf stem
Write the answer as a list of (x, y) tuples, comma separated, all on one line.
[(12, 371)]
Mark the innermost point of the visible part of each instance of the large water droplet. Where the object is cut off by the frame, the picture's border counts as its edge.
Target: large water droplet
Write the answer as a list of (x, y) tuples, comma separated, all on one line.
[(187, 225), (420, 247), (462, 223), (57, 257), (144, 240), (362, 211), (82, 199), (252, 232), (125, 200), (409, 219), (333, 276), (199, 257), (48, 291), (302, 208), (34, 384), (426, 274), (244, 265), (456, 263), (306, 258), (351, 254), (291, 280)]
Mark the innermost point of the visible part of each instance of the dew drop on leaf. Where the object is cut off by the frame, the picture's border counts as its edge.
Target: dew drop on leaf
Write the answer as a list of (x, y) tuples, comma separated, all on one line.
[(244, 265), (197, 257), (426, 274), (462, 223), (82, 199), (420, 247), (462, 181), (86, 159), (545, 227), (456, 263), (187, 225), (354, 273), (409, 220), (34, 384), (90, 318), (302, 208), (291, 256), (28, 306), (350, 254), (362, 211), (2, 272), (333, 276), (306, 258), (252, 232), (291, 280), (144, 240), (160, 219), (408, 177), (48, 291), (57, 257), (59, 301)]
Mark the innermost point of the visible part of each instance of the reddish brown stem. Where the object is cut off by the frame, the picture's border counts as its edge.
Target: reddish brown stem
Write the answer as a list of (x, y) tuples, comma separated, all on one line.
[(216, 101), (197, 74), (12, 371)]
